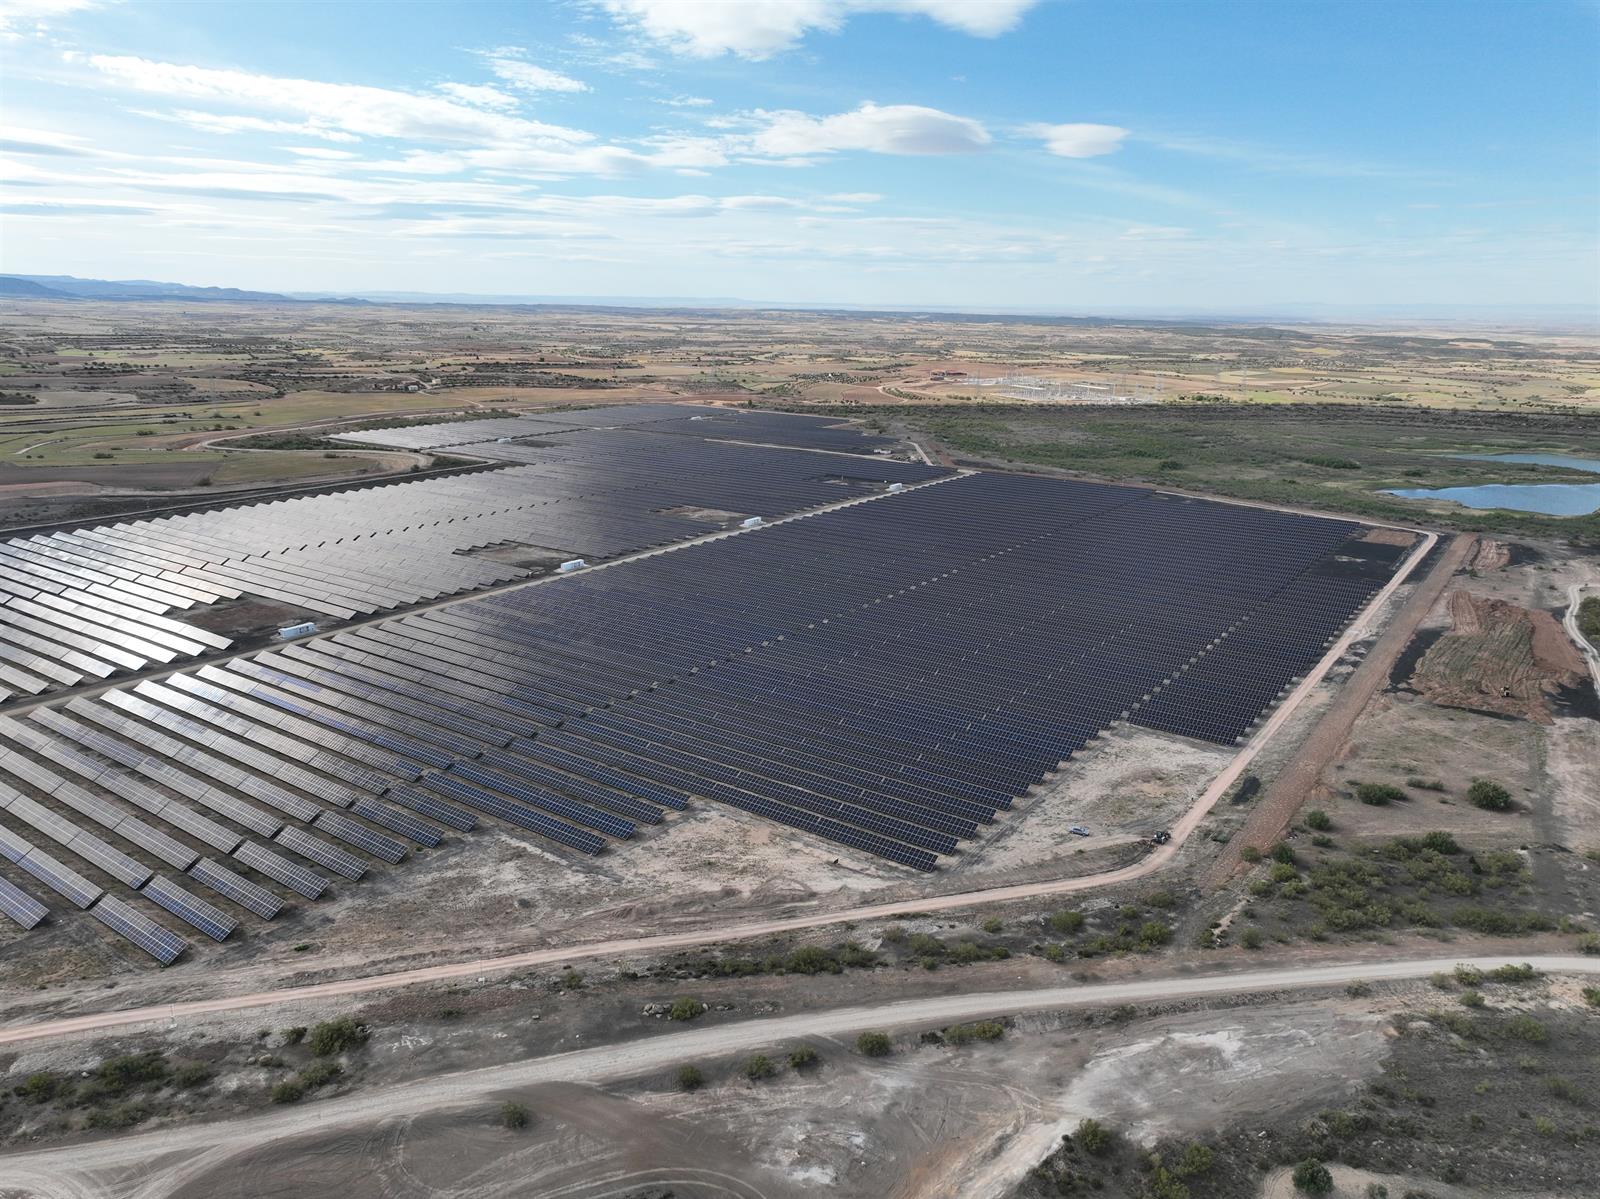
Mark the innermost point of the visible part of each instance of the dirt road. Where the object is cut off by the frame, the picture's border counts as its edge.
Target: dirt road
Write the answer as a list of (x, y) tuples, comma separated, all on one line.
[(1158, 858), (150, 1165), (1570, 623), (1276, 808)]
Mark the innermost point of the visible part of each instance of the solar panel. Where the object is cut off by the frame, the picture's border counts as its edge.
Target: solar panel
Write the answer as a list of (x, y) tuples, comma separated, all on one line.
[(323, 854), (240, 890), (165, 946), (21, 907), (280, 869), (206, 917), (362, 837)]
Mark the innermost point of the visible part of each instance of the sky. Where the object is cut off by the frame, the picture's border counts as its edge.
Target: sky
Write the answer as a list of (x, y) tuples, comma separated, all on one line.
[(1063, 155)]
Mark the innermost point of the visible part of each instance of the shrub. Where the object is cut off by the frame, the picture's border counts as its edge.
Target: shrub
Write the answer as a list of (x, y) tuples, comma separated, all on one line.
[(803, 1057), (293, 1036), (290, 1090), (1358, 990), (1471, 998), (759, 1066), (1251, 938), (894, 934), (513, 1116), (874, 1044), (984, 1030), (1066, 921), (123, 1115), (1589, 943), (1313, 1178), (1489, 795), (1591, 996), (1527, 1029), (1378, 794), (1250, 854), (1094, 1138), (1162, 900), (809, 959), (992, 925), (1425, 784), (853, 955), (338, 1036), (1283, 852), (1318, 821), (117, 1074), (1153, 933), (690, 1078), (1196, 1159), (685, 1008), (319, 1074), (1468, 976), (192, 1074), (40, 1087), (1511, 973)]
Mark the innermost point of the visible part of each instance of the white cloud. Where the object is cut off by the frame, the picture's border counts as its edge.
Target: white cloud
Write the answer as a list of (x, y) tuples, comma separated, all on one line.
[(883, 129), (16, 12), (509, 65), (761, 28), (854, 197), (1080, 140), (479, 95), (353, 109), (686, 102), (217, 122)]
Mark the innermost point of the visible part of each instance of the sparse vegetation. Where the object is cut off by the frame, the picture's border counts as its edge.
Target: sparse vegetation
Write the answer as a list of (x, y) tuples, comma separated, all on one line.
[(874, 1044)]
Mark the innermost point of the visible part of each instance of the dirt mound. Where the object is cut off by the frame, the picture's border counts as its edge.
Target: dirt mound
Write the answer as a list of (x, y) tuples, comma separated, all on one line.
[(1490, 555), (1500, 658)]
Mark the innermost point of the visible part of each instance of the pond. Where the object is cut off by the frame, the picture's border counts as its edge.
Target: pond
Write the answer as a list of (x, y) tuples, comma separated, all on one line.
[(1551, 499)]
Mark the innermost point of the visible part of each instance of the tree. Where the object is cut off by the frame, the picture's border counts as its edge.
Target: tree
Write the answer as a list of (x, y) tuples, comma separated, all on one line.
[(1093, 1137), (1313, 1178)]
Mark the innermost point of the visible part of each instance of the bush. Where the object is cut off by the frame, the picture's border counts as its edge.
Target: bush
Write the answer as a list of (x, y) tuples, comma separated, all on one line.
[(1066, 921), (803, 1058), (1425, 784), (984, 1030), (992, 925), (1283, 853), (1313, 1178), (1471, 998), (685, 1009), (1378, 794), (1527, 1029), (123, 1115), (118, 1074), (1591, 996), (1196, 1159), (759, 1066), (41, 1087), (690, 1078), (874, 1044), (1094, 1138), (513, 1116), (1318, 821), (290, 1090), (293, 1036), (809, 959), (1250, 854), (338, 1036), (1153, 933), (1251, 938), (1489, 795), (192, 1074), (319, 1074), (1510, 973)]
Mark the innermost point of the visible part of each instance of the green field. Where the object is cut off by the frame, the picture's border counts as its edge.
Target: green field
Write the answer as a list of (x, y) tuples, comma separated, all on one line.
[(1312, 457)]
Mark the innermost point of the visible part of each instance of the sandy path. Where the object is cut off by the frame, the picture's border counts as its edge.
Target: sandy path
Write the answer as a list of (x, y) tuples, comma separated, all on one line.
[(149, 1165), (1276, 808), (1156, 860)]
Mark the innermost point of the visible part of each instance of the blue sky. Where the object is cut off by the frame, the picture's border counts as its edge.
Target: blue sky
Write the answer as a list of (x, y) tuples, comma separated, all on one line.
[(1075, 155)]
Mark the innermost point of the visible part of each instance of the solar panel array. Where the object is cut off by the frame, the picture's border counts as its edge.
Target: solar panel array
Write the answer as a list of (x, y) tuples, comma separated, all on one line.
[(755, 426), (73, 608), (888, 676)]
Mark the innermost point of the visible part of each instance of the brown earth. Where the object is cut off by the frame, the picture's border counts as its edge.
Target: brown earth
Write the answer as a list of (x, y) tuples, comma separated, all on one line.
[(1498, 657)]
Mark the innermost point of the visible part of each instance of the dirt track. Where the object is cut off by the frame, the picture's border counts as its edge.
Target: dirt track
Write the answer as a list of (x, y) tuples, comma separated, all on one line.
[(1277, 807), (151, 1165)]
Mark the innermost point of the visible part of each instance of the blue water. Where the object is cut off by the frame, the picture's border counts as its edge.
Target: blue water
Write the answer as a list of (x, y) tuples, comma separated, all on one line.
[(1551, 499)]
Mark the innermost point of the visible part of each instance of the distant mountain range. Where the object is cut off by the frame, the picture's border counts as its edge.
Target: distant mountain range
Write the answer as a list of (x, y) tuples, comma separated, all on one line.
[(1556, 316), (70, 287)]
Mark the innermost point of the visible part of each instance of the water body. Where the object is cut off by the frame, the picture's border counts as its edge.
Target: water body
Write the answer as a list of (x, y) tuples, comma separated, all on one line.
[(1551, 499)]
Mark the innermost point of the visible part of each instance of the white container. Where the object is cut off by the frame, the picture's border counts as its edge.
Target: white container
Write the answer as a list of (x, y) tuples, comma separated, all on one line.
[(290, 632), (893, 487), (753, 522), (567, 568)]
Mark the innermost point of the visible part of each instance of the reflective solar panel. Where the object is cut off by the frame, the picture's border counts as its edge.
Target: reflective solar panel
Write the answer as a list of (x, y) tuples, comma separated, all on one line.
[(163, 945)]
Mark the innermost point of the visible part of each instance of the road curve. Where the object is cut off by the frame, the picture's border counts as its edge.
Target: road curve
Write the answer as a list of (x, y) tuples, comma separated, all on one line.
[(149, 1165), (1570, 621), (1152, 862)]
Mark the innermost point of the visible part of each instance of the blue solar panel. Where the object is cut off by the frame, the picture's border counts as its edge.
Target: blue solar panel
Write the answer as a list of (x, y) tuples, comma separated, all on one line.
[(20, 906), (208, 918), (160, 943)]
